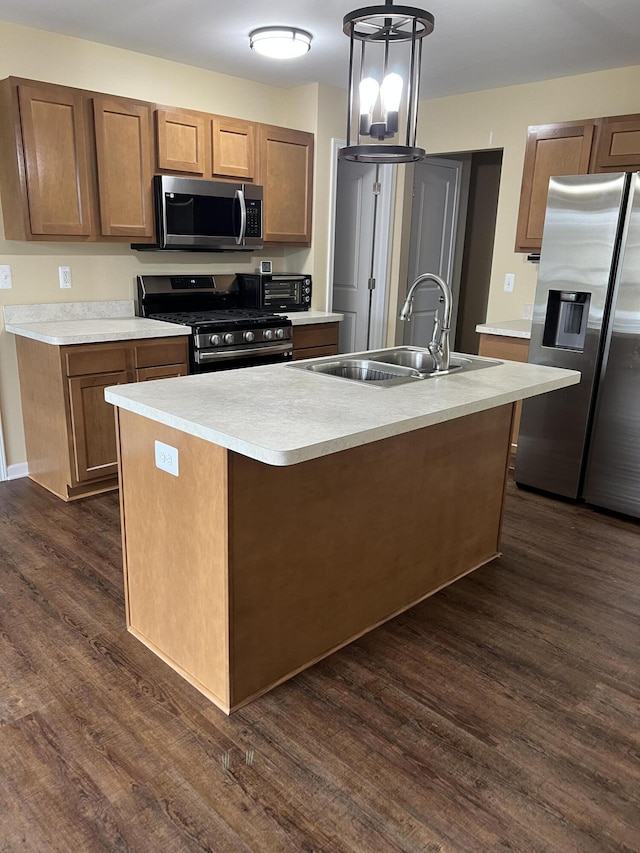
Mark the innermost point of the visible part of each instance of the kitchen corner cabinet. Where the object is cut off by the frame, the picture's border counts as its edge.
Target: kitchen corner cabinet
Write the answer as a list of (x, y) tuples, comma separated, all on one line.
[(69, 428), (44, 162), (617, 144), (315, 340), (124, 167), (552, 149), (286, 172)]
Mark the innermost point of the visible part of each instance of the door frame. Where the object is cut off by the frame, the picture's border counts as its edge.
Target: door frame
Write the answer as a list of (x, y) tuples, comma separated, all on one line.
[(383, 237), (3, 458)]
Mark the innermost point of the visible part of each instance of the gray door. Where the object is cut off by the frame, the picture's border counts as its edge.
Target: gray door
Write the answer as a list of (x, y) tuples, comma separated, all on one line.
[(436, 195), (364, 199)]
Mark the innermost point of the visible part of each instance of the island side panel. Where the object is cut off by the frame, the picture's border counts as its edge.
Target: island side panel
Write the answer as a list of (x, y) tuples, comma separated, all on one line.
[(175, 536), (325, 550)]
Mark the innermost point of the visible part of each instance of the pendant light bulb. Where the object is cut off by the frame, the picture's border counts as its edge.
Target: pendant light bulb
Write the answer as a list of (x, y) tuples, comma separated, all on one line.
[(368, 95), (391, 93)]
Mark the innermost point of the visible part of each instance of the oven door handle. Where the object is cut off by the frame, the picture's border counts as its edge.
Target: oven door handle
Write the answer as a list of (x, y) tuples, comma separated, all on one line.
[(220, 355), (243, 217)]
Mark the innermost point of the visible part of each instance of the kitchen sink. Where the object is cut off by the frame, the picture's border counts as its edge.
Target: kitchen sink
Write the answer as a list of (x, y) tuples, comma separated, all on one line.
[(364, 370), (422, 360), (394, 366)]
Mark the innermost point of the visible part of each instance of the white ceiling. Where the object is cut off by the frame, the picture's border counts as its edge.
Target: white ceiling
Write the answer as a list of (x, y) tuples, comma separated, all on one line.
[(476, 44)]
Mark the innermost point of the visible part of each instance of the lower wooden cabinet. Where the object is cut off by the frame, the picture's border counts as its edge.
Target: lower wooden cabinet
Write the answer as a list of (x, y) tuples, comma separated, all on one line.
[(69, 427), (507, 348), (315, 340)]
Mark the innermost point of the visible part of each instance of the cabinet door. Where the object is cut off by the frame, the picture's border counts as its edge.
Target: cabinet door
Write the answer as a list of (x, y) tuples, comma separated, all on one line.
[(125, 167), (286, 172), (617, 147), (93, 433), (552, 149), (54, 136), (233, 144), (181, 138)]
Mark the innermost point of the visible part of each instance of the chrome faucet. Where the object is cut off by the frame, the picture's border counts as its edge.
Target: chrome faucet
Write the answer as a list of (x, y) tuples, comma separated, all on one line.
[(439, 344)]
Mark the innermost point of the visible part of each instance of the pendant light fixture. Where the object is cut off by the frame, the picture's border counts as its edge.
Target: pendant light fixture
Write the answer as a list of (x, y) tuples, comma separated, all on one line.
[(280, 42), (384, 87)]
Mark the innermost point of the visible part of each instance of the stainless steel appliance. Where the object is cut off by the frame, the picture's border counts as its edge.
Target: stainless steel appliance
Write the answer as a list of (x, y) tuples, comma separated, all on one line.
[(583, 442), (211, 216), (283, 292), (224, 335)]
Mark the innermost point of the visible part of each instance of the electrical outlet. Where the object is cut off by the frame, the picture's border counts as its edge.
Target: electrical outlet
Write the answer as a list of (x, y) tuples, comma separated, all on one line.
[(167, 458), (527, 312), (5, 277), (64, 274), (509, 281)]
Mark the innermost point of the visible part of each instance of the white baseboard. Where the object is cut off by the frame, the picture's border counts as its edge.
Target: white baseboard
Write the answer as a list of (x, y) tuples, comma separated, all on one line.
[(14, 472)]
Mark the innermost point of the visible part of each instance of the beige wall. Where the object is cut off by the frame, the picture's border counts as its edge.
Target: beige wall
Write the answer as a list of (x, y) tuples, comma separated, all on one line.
[(498, 118), (102, 271)]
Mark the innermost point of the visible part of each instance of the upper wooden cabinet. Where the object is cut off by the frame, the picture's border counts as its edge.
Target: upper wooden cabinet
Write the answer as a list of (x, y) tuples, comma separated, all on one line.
[(233, 144), (617, 145), (181, 139), (610, 144), (125, 167), (74, 165), (552, 149), (286, 173), (205, 145), (44, 162)]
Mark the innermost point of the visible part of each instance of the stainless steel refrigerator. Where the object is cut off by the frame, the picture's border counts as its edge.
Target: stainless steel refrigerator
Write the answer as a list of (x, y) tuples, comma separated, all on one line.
[(583, 442)]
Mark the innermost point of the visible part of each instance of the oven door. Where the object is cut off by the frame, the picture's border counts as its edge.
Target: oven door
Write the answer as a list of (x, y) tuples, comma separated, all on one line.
[(208, 360)]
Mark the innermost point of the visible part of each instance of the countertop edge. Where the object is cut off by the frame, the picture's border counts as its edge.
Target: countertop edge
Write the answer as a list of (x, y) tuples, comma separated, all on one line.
[(282, 458), (163, 330)]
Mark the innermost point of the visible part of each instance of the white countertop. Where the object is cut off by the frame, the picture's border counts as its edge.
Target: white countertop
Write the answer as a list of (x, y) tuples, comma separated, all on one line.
[(94, 330), (508, 328), (63, 323), (281, 415), (305, 318)]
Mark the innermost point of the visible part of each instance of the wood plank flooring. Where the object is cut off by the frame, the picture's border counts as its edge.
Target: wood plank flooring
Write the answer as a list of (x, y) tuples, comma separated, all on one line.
[(501, 714)]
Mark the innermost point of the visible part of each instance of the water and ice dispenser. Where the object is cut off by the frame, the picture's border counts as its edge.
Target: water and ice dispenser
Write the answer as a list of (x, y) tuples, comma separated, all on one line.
[(565, 325)]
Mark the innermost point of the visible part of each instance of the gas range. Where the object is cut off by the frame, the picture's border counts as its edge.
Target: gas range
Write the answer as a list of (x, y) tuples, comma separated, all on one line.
[(224, 335)]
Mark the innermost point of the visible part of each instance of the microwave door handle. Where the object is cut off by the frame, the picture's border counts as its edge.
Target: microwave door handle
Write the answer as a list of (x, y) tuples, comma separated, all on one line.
[(243, 217)]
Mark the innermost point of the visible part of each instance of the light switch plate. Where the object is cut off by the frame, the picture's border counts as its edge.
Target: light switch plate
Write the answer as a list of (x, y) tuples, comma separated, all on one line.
[(5, 277), (167, 458)]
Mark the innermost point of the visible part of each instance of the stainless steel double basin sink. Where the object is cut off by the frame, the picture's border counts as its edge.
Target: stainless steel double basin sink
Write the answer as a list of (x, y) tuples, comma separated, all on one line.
[(394, 366)]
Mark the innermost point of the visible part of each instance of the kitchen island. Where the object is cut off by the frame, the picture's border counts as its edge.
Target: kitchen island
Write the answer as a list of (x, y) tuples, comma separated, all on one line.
[(272, 515)]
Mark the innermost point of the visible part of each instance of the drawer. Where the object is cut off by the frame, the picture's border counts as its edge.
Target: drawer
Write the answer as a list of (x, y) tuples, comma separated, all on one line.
[(320, 335), (314, 352), (86, 359), (159, 351)]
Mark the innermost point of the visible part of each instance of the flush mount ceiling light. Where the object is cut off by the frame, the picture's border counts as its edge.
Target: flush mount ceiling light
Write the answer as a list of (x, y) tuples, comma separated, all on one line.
[(280, 42), (383, 90)]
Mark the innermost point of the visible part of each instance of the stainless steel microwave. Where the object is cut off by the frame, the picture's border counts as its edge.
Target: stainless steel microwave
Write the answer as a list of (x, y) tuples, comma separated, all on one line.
[(207, 216)]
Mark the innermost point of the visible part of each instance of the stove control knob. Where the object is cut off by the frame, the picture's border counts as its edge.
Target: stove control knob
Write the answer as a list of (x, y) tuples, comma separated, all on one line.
[(268, 334), (279, 333), (228, 338), (215, 340), (249, 336)]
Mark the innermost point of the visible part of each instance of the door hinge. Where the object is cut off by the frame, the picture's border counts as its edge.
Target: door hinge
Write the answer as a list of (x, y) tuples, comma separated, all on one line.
[(371, 284), (377, 187)]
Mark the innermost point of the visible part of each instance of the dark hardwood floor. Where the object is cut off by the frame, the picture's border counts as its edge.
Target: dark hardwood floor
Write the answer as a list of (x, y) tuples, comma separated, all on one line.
[(501, 714)]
